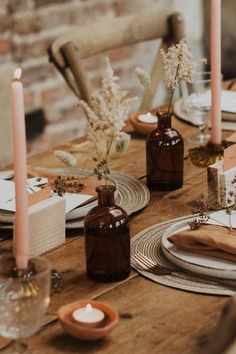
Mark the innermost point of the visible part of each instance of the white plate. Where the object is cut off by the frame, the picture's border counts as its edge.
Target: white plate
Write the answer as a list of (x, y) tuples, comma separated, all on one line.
[(178, 111), (193, 262)]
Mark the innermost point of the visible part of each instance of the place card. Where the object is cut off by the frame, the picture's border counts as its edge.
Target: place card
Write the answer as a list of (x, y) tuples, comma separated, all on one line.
[(221, 186), (37, 181), (7, 192), (74, 200), (222, 218)]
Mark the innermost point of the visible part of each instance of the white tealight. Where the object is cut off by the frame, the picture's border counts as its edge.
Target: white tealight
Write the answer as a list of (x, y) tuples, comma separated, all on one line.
[(147, 118), (88, 315)]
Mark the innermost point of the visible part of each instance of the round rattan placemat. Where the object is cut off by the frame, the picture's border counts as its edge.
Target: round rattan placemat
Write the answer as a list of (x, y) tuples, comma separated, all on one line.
[(148, 242)]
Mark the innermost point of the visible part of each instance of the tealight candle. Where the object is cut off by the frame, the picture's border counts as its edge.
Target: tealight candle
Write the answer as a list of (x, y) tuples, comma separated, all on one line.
[(147, 118), (88, 315)]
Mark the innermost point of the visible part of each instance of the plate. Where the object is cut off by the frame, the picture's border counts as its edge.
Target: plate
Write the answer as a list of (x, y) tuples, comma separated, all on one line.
[(193, 262), (178, 111)]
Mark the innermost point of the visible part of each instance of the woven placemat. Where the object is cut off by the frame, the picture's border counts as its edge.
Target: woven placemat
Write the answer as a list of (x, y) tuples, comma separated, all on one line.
[(148, 242)]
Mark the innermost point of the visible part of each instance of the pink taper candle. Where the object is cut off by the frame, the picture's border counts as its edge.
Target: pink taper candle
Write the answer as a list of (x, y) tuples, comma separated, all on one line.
[(20, 165), (216, 134)]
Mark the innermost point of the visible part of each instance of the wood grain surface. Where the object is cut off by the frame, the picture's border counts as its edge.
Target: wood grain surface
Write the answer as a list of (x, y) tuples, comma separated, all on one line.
[(153, 318)]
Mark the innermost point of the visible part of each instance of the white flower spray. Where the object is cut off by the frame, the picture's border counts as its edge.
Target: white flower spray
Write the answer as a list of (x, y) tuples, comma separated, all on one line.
[(106, 114), (178, 66)]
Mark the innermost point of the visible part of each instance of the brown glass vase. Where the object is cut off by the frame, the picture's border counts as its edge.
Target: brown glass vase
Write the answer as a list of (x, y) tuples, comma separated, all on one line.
[(164, 156), (107, 239)]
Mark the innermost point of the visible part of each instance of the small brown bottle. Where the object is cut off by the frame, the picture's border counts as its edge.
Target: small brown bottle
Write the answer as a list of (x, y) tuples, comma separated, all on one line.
[(164, 156), (107, 239)]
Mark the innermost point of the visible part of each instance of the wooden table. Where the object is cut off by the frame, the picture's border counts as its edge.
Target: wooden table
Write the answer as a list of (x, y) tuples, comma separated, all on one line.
[(153, 318)]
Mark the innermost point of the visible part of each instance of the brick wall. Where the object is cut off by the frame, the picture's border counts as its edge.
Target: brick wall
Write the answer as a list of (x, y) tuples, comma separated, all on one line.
[(28, 27)]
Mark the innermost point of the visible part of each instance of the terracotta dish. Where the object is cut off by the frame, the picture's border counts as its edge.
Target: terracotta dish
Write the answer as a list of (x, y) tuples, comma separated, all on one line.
[(84, 332), (141, 127)]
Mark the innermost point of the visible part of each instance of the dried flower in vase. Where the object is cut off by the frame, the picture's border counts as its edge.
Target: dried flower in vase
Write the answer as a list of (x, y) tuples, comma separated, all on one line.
[(179, 66), (106, 114)]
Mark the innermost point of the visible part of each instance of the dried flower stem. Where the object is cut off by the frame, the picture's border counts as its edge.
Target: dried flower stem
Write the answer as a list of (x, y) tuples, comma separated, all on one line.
[(172, 91)]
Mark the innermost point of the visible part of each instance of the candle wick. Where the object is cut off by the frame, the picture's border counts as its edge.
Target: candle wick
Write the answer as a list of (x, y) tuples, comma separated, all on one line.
[(88, 308), (17, 74)]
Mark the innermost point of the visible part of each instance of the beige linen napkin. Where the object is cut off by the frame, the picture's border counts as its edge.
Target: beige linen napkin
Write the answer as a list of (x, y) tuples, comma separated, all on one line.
[(210, 240)]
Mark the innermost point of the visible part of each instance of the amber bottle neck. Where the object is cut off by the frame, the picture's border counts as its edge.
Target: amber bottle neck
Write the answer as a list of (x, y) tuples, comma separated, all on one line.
[(164, 120), (106, 195)]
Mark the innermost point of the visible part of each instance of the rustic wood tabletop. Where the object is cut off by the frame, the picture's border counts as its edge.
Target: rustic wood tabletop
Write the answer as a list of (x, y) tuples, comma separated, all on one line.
[(153, 318)]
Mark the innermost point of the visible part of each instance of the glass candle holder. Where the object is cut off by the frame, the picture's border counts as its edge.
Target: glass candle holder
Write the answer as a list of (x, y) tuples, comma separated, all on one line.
[(23, 301)]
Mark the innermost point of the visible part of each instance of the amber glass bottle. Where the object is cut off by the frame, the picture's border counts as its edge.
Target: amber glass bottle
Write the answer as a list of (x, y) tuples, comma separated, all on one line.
[(164, 156), (107, 239)]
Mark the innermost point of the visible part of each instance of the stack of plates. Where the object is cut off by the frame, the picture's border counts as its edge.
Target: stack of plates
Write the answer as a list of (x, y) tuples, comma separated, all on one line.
[(228, 123), (196, 263), (190, 272)]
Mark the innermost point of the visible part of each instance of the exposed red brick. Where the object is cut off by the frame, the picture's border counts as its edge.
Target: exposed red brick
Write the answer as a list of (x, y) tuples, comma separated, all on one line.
[(4, 45), (28, 50), (27, 25), (53, 115), (53, 18), (129, 7), (54, 136), (55, 93), (26, 22), (37, 73), (4, 5), (40, 3), (90, 11), (5, 22), (120, 53), (18, 5), (29, 100), (93, 62)]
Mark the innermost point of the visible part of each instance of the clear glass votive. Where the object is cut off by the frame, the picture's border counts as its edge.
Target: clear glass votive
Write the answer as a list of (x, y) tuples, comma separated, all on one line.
[(23, 300)]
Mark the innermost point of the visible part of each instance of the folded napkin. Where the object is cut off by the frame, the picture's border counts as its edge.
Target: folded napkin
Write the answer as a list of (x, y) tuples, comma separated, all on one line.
[(210, 240)]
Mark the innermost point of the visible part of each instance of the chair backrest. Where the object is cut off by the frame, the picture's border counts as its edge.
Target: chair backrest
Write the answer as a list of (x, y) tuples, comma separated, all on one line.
[(68, 50)]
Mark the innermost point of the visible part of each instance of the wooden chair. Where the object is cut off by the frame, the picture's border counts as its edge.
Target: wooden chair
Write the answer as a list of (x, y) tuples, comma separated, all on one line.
[(68, 50)]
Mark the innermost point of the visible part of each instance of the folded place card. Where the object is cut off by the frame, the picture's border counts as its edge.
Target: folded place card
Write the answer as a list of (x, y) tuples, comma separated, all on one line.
[(229, 161), (46, 225), (73, 200), (221, 178), (223, 218), (7, 192)]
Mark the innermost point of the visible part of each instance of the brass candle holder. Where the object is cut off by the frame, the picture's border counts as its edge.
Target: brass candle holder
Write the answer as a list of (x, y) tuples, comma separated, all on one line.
[(204, 156)]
